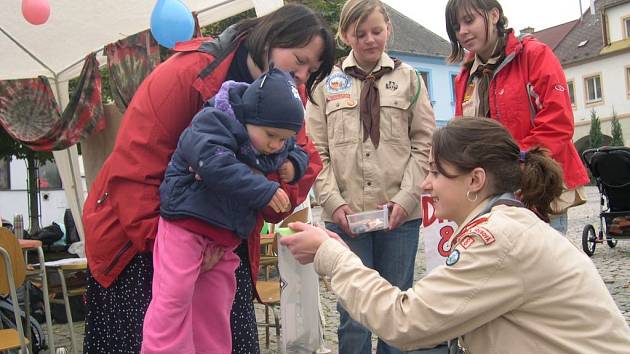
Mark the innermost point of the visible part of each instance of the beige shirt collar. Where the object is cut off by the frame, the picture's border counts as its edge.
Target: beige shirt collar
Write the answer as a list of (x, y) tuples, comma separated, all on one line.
[(385, 61), (473, 214)]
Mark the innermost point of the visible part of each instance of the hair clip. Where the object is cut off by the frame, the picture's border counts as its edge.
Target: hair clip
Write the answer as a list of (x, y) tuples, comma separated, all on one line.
[(522, 155)]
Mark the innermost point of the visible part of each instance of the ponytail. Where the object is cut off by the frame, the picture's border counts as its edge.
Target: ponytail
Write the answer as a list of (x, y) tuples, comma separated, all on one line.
[(541, 181)]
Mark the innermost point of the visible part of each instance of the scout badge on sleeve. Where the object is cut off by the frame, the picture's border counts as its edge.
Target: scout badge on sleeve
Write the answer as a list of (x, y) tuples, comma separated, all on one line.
[(452, 258)]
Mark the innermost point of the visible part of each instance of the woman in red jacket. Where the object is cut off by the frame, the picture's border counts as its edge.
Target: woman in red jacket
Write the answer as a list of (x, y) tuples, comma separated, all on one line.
[(121, 212), (521, 84)]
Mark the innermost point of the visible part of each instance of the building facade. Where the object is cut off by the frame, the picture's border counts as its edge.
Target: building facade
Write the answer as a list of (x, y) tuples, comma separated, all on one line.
[(595, 55), (426, 52)]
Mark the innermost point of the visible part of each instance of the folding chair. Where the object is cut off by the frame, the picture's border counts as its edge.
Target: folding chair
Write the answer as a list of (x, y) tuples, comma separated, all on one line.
[(269, 292), (64, 267), (12, 274), (37, 272)]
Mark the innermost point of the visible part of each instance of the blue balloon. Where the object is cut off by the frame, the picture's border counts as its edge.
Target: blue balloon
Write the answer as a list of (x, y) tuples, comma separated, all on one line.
[(171, 22)]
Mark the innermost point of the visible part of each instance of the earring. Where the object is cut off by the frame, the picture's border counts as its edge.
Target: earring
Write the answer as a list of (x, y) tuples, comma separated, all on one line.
[(471, 199)]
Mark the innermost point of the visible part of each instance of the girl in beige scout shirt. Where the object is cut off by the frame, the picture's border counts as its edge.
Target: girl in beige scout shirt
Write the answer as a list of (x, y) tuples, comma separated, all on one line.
[(512, 284), (371, 122)]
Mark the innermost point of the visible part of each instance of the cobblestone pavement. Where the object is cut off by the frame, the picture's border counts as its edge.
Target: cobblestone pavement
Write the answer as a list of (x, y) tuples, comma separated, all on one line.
[(612, 263)]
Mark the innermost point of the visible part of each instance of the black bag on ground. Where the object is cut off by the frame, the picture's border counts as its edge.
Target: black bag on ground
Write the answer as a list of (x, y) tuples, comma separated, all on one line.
[(36, 300), (77, 309), (48, 235), (8, 321), (72, 235)]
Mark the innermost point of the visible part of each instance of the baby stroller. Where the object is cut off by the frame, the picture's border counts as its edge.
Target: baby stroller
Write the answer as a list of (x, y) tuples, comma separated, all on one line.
[(610, 166)]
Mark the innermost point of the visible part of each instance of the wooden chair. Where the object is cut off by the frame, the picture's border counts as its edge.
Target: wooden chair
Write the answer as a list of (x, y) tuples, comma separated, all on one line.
[(268, 253), (37, 273), (65, 267), (12, 274), (269, 292)]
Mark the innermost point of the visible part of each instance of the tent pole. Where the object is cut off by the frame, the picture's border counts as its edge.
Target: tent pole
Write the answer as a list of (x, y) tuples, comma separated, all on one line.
[(78, 62), (214, 6), (68, 165)]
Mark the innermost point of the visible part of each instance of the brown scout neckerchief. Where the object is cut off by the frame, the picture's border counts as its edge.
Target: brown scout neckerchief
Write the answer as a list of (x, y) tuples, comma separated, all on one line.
[(370, 105), (485, 72)]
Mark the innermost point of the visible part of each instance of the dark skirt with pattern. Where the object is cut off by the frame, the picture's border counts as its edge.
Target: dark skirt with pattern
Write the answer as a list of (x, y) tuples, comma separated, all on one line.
[(113, 323), (243, 316)]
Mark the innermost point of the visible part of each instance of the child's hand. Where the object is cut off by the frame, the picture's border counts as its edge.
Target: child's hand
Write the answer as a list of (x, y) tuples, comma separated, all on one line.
[(211, 257), (287, 172), (280, 202)]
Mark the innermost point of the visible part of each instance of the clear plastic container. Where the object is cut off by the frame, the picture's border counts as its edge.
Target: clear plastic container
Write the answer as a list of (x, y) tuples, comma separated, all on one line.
[(368, 221)]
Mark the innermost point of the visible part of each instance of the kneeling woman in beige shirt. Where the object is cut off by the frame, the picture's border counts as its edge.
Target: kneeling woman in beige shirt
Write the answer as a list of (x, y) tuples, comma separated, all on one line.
[(511, 284)]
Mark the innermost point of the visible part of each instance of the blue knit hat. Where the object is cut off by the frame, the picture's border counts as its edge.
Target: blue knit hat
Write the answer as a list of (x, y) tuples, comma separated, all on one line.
[(273, 101)]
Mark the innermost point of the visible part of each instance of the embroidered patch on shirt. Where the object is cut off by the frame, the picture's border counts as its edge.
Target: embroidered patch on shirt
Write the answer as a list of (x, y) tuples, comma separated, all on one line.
[(485, 235), (452, 258), (467, 242), (338, 82), (339, 96), (391, 85)]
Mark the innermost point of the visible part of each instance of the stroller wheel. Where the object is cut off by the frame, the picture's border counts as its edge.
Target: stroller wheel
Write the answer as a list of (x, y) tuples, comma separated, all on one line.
[(612, 242), (588, 240)]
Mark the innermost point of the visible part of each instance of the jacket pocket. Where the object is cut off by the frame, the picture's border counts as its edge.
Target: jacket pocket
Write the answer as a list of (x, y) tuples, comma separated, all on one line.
[(103, 232), (394, 122), (344, 124)]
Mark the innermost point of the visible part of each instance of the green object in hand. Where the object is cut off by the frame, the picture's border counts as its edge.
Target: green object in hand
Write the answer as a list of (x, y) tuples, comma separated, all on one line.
[(284, 231)]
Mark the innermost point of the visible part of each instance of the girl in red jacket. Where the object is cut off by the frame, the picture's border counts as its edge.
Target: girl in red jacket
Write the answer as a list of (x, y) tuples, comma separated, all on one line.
[(521, 84)]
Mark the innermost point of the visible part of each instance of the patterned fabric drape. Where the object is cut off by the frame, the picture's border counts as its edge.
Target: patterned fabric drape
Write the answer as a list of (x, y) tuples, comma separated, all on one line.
[(129, 61), (30, 114)]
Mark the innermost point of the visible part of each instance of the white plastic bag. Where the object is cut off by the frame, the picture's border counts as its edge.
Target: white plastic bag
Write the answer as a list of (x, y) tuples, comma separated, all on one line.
[(299, 305)]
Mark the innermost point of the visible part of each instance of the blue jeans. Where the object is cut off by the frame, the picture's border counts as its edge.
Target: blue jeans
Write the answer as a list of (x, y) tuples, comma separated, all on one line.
[(393, 255), (560, 222)]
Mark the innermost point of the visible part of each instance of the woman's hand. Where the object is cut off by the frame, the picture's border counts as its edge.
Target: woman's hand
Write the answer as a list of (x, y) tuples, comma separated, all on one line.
[(306, 241), (397, 216), (339, 218)]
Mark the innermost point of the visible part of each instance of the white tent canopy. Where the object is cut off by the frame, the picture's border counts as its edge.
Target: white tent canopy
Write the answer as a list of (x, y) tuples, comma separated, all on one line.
[(76, 28)]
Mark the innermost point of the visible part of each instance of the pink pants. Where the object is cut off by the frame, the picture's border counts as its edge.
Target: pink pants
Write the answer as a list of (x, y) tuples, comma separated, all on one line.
[(189, 310)]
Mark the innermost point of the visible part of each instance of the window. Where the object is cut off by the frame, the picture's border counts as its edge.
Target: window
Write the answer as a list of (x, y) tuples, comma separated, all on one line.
[(425, 77), (453, 91), (628, 81), (626, 27), (571, 85), (593, 87), (5, 179), (49, 176)]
